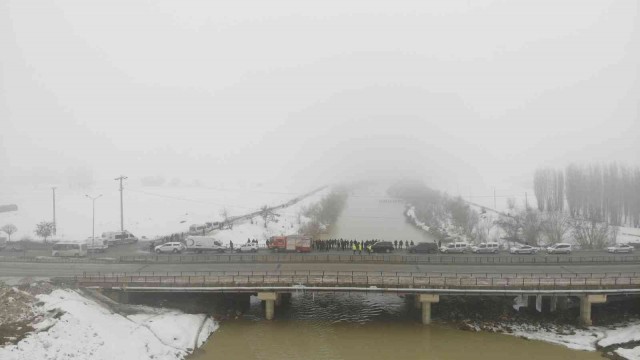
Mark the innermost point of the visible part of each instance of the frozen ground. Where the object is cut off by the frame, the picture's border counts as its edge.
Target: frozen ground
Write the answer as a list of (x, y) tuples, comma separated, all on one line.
[(148, 211), (589, 339), (87, 330)]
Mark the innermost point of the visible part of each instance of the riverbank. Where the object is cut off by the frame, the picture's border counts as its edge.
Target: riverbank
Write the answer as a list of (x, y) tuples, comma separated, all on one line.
[(616, 334), (59, 323)]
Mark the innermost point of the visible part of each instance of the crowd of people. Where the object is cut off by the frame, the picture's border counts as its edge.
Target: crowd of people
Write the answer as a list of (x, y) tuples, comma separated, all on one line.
[(348, 245)]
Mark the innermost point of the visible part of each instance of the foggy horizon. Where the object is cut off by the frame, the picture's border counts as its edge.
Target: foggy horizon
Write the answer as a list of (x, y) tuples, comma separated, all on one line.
[(467, 96)]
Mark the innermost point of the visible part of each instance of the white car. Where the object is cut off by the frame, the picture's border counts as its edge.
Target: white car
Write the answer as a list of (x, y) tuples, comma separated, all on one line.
[(524, 249), (620, 248), (170, 247), (248, 247), (559, 248)]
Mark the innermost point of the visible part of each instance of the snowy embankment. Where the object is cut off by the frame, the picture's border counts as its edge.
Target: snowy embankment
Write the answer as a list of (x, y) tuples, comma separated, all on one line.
[(613, 338), (75, 327), (287, 221), (411, 213)]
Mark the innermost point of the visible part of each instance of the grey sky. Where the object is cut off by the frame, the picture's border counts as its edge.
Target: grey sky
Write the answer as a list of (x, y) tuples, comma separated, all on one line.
[(471, 93)]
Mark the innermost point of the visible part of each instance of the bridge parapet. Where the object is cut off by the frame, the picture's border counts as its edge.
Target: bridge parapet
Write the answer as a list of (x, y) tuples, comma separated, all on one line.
[(367, 282)]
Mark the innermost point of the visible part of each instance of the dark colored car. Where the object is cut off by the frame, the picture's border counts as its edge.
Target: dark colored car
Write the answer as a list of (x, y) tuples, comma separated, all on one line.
[(382, 247), (425, 248)]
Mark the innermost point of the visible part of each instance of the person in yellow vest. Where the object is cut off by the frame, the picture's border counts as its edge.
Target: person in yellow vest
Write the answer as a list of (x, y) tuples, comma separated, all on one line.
[(354, 248), (369, 249), (360, 248)]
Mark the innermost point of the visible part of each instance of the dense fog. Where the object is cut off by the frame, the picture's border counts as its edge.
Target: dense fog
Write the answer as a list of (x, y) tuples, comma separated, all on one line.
[(466, 95)]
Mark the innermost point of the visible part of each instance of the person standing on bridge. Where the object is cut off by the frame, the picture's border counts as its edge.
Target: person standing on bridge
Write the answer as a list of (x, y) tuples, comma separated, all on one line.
[(360, 248), (395, 244), (353, 246)]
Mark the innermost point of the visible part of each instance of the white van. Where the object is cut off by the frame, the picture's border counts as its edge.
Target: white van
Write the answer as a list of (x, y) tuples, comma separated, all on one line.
[(486, 248), (457, 247), (202, 244), (198, 229), (69, 249), (118, 238)]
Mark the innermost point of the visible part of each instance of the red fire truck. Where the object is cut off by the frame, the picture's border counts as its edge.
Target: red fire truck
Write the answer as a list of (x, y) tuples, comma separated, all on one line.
[(297, 243)]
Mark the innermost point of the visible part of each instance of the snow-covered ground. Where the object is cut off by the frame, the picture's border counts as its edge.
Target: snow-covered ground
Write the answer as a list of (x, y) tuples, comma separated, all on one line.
[(88, 330), (288, 221), (148, 211), (589, 339)]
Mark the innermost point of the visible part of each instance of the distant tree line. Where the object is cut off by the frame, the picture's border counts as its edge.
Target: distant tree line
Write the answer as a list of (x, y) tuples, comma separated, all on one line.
[(600, 193), (325, 212), (439, 210)]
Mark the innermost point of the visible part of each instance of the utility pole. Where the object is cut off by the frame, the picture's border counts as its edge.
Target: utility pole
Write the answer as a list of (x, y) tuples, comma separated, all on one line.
[(495, 207), (122, 177), (53, 188), (93, 227)]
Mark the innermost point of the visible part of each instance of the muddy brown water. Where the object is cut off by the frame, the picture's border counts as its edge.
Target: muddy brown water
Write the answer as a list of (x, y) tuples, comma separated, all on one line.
[(364, 326)]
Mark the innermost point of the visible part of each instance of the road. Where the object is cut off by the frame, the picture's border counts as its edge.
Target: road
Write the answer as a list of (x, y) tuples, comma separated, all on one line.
[(48, 270)]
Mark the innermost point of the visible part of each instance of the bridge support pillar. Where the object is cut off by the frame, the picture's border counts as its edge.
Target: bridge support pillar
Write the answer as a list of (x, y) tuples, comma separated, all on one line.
[(269, 299), (553, 304), (585, 307), (425, 301), (123, 297)]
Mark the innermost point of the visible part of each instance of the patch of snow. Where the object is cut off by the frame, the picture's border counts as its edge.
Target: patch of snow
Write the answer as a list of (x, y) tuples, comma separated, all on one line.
[(87, 330), (621, 335), (577, 339), (630, 354)]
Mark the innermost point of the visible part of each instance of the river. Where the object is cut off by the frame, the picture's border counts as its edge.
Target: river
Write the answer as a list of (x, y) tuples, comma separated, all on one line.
[(364, 326)]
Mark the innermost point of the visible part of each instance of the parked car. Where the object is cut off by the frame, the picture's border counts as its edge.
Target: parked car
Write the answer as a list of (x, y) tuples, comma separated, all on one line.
[(457, 247), (620, 248), (486, 248), (524, 249), (424, 248), (382, 247), (170, 247), (560, 248), (248, 247)]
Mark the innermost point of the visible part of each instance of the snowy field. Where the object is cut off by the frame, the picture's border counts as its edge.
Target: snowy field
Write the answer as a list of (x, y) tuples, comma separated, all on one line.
[(148, 211), (288, 221), (88, 330)]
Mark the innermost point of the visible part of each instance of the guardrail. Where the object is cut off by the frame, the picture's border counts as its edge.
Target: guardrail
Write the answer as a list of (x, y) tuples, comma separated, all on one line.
[(333, 258), (394, 259), (359, 281)]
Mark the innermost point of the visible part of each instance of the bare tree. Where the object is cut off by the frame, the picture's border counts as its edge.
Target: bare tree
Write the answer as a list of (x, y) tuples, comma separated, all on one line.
[(9, 229), (591, 234), (44, 229), (531, 226), (485, 225), (267, 215), (555, 225), (511, 203), (226, 219)]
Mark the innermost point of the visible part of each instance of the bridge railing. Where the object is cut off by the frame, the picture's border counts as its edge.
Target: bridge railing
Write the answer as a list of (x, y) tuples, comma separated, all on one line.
[(543, 275), (344, 281)]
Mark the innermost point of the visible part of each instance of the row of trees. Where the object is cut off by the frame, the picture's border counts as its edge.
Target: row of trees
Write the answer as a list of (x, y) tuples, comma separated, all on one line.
[(601, 193), (325, 212), (44, 230), (530, 226)]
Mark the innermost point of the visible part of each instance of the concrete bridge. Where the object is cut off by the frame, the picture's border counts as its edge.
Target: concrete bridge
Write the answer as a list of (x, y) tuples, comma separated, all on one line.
[(424, 288)]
